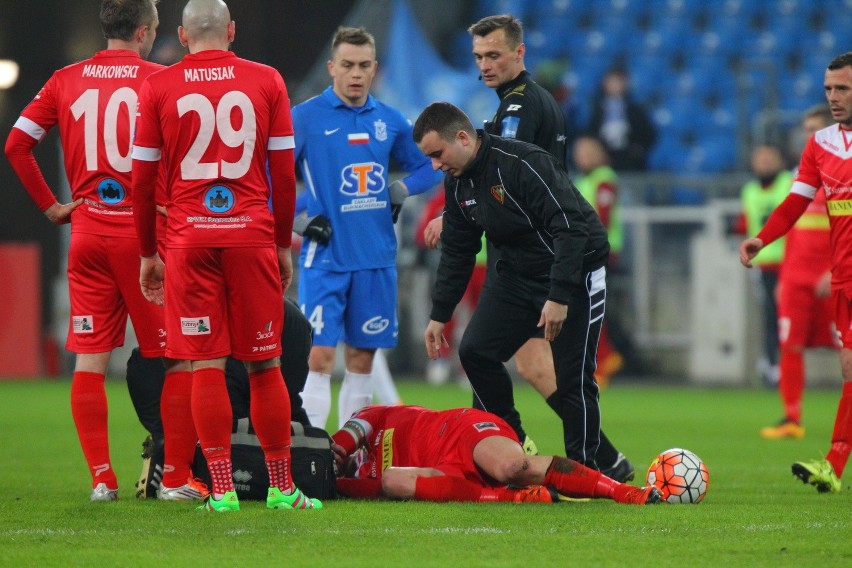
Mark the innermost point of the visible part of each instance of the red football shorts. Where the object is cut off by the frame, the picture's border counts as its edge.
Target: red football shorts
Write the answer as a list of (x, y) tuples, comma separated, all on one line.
[(223, 302), (803, 319), (103, 286), (464, 431), (842, 298)]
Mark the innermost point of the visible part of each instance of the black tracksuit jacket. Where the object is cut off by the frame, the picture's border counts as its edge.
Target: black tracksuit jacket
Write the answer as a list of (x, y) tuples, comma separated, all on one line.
[(524, 201)]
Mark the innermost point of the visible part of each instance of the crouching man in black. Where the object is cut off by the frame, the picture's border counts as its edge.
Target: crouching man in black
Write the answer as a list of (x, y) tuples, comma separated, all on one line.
[(145, 379)]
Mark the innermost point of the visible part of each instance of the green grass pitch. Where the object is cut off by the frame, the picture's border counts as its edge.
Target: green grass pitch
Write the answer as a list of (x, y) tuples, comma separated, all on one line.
[(755, 512)]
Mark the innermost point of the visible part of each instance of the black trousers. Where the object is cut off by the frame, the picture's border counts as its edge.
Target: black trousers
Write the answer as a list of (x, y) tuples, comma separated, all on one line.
[(769, 281), (506, 317)]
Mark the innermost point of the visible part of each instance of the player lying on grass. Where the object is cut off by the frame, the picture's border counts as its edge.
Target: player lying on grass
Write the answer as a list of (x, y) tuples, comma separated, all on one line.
[(462, 454)]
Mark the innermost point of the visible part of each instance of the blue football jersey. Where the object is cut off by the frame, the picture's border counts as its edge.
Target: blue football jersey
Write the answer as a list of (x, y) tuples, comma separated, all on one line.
[(344, 153)]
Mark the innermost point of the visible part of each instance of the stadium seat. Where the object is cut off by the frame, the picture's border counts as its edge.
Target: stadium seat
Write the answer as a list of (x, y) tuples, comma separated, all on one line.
[(797, 91), (800, 9), (741, 8), (730, 29), (540, 11), (661, 41), (666, 153), (701, 67), (518, 8), (646, 72), (460, 56)]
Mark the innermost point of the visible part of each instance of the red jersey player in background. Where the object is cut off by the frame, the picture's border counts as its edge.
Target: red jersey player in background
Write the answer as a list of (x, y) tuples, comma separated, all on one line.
[(94, 104), (427, 236), (216, 120), (827, 164), (805, 312), (461, 454)]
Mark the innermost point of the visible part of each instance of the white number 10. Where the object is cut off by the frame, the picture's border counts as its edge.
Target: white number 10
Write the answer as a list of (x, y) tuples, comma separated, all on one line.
[(86, 106), (213, 120)]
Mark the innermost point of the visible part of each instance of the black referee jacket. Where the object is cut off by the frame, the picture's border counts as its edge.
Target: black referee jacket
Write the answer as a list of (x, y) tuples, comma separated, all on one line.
[(523, 200), (527, 109)]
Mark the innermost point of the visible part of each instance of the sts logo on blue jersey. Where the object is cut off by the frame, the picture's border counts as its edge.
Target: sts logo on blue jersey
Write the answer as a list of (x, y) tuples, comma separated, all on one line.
[(361, 180)]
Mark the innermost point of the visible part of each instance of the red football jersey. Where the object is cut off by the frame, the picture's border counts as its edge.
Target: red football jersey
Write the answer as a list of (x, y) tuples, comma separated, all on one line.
[(212, 118), (94, 103), (806, 252), (412, 436), (826, 164)]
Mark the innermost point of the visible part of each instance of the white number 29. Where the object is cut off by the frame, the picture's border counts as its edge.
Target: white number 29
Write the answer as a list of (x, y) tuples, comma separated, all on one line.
[(218, 120)]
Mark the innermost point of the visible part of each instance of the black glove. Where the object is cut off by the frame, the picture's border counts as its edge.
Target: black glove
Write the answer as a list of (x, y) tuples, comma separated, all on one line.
[(398, 192), (316, 228)]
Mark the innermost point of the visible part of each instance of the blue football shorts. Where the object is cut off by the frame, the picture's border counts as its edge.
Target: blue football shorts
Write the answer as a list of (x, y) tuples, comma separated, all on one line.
[(358, 307)]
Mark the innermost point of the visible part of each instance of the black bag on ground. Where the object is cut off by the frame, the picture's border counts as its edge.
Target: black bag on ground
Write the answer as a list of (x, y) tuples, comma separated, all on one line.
[(312, 462)]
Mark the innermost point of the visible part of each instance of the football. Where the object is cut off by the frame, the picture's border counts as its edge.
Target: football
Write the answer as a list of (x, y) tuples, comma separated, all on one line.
[(680, 475)]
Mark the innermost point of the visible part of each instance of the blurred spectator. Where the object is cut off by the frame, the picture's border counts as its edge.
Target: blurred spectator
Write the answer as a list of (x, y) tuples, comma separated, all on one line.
[(759, 198), (556, 76), (167, 50), (624, 126)]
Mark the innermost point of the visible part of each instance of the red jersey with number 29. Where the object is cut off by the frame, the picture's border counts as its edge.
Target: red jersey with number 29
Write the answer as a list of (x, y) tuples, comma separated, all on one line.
[(212, 118), (827, 163), (94, 104)]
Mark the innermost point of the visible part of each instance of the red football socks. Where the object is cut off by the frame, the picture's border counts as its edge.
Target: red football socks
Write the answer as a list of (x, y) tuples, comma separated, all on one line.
[(360, 488), (178, 428), (573, 479), (841, 438), (221, 475), (213, 417), (270, 416), (89, 409), (791, 383), (444, 488)]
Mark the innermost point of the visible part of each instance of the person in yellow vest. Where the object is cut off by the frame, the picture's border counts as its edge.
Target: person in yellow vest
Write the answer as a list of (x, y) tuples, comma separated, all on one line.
[(598, 184), (759, 198)]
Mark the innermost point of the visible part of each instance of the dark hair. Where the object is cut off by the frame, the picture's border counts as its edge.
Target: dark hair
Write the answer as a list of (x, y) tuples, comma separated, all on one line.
[(841, 61), (512, 26), (354, 36), (120, 18), (821, 111), (446, 119)]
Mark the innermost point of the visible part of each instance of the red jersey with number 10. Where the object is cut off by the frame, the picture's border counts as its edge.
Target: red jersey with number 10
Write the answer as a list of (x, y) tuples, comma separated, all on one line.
[(212, 118), (94, 103), (827, 163)]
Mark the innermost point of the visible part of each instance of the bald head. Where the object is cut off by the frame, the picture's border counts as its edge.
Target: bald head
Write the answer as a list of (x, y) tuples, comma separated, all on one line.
[(206, 25)]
